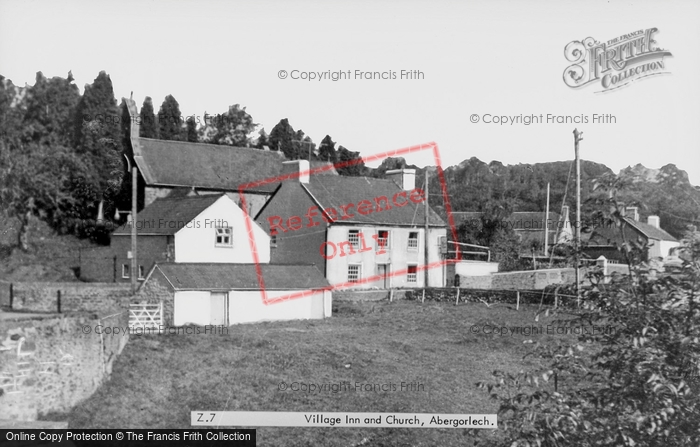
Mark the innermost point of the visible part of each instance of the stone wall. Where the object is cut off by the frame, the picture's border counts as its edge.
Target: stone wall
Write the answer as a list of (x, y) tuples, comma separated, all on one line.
[(69, 297), (476, 282), (50, 363)]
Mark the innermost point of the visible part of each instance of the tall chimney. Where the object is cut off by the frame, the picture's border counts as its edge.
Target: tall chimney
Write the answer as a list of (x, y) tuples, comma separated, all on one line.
[(632, 212), (654, 221), (294, 166), (405, 178)]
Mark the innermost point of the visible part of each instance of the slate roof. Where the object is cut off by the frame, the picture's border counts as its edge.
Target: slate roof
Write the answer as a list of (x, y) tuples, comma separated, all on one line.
[(337, 191), (205, 166), (217, 276), (166, 216), (610, 234), (652, 232)]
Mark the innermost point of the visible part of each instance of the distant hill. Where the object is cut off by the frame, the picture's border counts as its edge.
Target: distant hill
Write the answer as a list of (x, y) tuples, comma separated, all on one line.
[(474, 185)]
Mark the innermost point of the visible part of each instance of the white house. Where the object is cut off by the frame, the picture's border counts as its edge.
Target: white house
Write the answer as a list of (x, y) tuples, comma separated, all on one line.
[(363, 232), (209, 228), (225, 294)]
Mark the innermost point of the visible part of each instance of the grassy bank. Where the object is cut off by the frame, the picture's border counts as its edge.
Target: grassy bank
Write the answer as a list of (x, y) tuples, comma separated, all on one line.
[(158, 380)]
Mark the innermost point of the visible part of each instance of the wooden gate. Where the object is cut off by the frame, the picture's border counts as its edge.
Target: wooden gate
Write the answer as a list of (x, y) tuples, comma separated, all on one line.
[(146, 318)]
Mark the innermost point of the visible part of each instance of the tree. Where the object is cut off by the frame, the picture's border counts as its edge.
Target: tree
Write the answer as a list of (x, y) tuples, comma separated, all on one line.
[(326, 150), (632, 376), (191, 130), (490, 231), (41, 181), (305, 147), (98, 141), (349, 163), (232, 128), (263, 139), (50, 110), (12, 109), (281, 138), (149, 124), (170, 120)]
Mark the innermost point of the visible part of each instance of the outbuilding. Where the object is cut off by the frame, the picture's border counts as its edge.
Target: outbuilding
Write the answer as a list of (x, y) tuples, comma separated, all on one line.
[(227, 294)]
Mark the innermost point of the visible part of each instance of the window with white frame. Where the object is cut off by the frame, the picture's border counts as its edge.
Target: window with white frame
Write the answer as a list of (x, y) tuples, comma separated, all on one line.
[(354, 272), (142, 271), (223, 237), (354, 238), (126, 271), (413, 240), (383, 239), (273, 240), (412, 276)]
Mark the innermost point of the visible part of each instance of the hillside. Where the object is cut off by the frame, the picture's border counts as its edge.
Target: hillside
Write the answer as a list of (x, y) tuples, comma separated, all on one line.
[(474, 185), (51, 257)]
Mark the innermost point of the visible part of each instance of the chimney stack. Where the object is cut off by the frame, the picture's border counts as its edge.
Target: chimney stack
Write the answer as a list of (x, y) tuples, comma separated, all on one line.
[(300, 166), (654, 221), (405, 178), (632, 212)]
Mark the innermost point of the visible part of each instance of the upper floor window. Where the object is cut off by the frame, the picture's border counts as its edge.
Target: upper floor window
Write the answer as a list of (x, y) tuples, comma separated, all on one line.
[(223, 237), (142, 271), (383, 239), (413, 240), (273, 240), (354, 238), (126, 271)]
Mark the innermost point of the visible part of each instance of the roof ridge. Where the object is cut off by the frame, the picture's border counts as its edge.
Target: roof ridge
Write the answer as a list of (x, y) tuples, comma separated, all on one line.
[(195, 197), (223, 146)]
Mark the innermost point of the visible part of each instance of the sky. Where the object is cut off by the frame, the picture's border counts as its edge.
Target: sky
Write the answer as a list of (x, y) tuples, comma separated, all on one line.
[(477, 59)]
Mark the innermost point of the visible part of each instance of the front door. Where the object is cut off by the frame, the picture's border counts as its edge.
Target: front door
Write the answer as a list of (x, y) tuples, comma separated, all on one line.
[(219, 308), (383, 273)]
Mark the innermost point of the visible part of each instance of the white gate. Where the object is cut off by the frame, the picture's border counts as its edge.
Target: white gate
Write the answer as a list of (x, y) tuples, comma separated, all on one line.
[(146, 318)]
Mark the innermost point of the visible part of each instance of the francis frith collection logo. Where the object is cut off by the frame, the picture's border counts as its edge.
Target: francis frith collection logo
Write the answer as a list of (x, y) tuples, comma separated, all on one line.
[(615, 63)]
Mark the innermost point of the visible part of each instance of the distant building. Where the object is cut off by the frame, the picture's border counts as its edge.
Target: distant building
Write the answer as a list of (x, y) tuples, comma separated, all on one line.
[(606, 240), (355, 228)]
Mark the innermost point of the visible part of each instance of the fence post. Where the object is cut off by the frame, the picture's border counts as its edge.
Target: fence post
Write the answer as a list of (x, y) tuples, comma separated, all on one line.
[(423, 299), (517, 304), (457, 299), (58, 300), (12, 295), (391, 295)]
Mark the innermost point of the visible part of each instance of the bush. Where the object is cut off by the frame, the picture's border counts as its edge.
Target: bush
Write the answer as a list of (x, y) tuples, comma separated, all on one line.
[(633, 382)]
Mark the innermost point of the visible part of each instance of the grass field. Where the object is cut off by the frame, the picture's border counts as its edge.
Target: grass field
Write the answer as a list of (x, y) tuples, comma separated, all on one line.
[(158, 380)]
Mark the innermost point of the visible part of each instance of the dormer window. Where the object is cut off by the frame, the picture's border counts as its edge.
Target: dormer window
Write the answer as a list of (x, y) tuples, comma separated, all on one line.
[(223, 237)]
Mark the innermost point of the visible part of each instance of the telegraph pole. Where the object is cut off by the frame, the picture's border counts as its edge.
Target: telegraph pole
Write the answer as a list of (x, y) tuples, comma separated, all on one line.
[(427, 213), (546, 225), (577, 139), (134, 261)]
